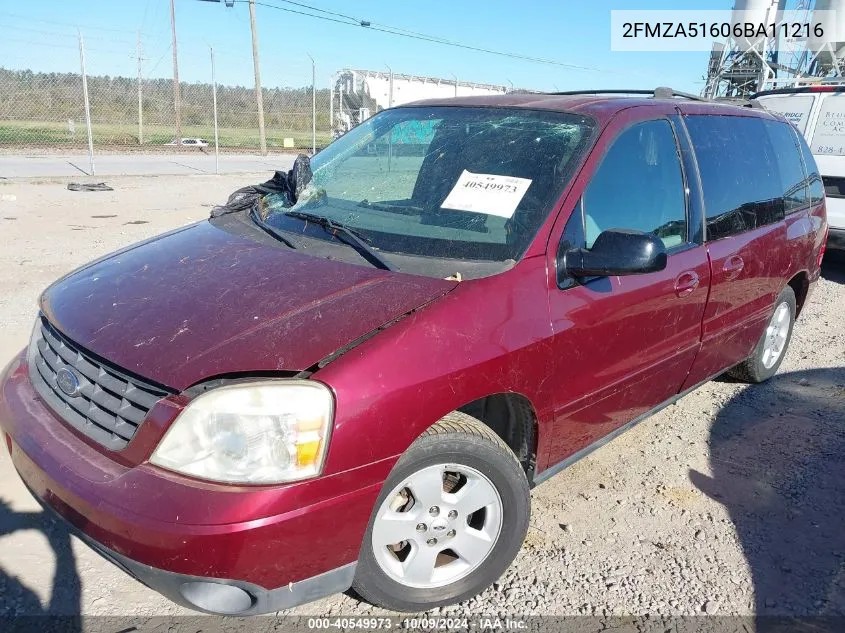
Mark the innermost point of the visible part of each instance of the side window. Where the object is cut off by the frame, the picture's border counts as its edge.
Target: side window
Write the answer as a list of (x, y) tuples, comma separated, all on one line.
[(739, 171), (573, 237), (790, 165), (639, 185), (814, 179)]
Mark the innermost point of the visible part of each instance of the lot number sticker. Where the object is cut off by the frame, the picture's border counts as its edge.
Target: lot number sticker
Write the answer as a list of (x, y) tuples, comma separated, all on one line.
[(487, 193)]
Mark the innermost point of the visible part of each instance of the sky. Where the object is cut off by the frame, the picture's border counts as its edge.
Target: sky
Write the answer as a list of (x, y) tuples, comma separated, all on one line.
[(41, 35)]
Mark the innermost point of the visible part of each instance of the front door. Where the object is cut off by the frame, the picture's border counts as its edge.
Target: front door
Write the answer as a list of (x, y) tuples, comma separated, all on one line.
[(624, 344)]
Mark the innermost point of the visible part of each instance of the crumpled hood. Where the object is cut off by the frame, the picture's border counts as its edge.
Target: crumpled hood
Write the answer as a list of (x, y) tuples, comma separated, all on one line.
[(201, 302)]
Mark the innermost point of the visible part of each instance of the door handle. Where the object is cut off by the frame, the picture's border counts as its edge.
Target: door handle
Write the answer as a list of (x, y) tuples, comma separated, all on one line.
[(686, 283), (733, 266)]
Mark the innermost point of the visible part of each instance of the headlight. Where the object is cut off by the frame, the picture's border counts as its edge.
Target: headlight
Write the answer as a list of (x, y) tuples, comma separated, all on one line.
[(258, 433)]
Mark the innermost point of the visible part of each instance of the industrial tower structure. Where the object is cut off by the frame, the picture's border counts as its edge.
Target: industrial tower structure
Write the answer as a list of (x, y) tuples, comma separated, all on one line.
[(738, 68)]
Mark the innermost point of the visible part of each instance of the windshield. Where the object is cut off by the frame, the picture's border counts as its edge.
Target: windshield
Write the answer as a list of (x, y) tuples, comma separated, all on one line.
[(455, 183)]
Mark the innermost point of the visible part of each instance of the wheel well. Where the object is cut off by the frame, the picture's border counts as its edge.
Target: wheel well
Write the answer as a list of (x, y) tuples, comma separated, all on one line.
[(800, 283), (512, 418)]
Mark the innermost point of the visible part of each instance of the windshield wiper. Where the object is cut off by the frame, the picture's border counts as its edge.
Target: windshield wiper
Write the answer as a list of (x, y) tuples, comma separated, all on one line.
[(405, 209), (346, 235), (270, 230)]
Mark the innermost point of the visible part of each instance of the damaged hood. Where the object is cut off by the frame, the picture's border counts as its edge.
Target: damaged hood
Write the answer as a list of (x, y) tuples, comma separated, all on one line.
[(201, 302)]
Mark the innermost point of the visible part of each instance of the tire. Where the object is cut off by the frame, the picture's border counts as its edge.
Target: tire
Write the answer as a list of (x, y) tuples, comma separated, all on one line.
[(475, 546), (759, 366)]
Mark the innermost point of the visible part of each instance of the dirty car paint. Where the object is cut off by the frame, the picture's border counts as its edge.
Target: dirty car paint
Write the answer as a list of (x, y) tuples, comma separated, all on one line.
[(203, 302)]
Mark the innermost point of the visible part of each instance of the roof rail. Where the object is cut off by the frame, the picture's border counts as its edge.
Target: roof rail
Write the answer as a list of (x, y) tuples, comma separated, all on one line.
[(658, 93), (742, 102)]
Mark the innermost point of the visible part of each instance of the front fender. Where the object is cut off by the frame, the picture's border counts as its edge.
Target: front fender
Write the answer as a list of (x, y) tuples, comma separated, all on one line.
[(487, 336)]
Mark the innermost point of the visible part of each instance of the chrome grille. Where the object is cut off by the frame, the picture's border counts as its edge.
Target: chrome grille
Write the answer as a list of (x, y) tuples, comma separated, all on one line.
[(108, 405)]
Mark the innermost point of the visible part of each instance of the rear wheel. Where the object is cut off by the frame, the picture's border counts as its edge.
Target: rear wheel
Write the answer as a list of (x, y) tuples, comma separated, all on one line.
[(773, 343), (451, 518)]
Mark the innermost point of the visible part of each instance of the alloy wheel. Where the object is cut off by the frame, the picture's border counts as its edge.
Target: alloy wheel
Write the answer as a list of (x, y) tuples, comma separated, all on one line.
[(437, 526)]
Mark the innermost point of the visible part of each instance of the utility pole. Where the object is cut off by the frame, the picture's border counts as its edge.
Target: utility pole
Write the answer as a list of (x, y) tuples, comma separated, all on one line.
[(313, 105), (331, 108), (216, 133), (390, 87), (140, 94), (87, 104), (259, 97), (177, 94)]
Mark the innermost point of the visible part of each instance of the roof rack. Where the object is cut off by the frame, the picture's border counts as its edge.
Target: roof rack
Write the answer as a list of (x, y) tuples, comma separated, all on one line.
[(658, 93), (742, 102)]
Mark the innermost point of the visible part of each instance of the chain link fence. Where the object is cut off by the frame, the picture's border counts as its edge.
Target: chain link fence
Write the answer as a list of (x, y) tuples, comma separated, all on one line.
[(45, 111), (126, 111)]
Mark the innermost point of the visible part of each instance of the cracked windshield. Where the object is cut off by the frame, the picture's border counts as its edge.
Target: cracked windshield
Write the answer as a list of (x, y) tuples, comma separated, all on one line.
[(440, 190)]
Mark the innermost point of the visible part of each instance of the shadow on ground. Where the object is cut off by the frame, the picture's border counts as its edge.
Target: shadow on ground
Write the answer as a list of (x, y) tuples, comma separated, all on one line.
[(777, 454), (20, 600), (833, 267)]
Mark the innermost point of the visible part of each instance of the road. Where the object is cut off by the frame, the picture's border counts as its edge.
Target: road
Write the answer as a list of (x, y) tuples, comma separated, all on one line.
[(187, 161)]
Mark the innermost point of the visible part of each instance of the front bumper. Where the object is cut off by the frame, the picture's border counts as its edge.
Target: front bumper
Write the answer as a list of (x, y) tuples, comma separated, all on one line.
[(282, 545), (219, 596)]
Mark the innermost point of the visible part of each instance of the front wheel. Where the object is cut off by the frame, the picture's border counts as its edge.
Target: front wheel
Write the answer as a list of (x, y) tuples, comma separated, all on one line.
[(771, 348), (450, 519)]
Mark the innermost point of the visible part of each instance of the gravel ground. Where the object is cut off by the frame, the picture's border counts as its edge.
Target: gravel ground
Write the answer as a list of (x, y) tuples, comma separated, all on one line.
[(729, 502)]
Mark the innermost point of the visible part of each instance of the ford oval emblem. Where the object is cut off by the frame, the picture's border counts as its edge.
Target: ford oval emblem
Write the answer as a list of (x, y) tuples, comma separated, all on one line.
[(67, 381)]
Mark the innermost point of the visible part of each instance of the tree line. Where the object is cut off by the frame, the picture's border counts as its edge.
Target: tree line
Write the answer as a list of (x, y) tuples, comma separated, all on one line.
[(28, 95)]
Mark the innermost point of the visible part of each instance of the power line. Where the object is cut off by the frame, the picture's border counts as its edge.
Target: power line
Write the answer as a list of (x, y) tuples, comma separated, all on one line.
[(160, 59), (354, 20), (310, 15), (391, 30), (70, 35), (35, 43), (144, 18), (348, 20), (68, 24)]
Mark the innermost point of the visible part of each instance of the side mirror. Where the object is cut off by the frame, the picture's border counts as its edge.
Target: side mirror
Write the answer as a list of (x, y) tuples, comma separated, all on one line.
[(616, 252)]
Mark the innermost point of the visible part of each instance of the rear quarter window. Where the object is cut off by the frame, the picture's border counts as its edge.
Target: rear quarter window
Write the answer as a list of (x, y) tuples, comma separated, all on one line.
[(742, 180), (790, 164), (815, 187)]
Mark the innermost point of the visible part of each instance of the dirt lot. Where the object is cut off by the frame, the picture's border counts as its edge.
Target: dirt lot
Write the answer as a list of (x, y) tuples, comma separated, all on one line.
[(729, 502)]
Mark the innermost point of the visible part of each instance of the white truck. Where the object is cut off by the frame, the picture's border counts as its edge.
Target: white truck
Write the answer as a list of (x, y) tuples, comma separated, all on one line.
[(818, 111)]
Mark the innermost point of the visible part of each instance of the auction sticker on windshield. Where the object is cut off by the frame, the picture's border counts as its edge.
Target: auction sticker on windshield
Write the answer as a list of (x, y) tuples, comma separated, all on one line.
[(487, 193)]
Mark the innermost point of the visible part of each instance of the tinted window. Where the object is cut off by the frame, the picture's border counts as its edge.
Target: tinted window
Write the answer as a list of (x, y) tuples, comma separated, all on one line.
[(814, 179), (573, 237), (790, 165), (739, 173), (639, 185)]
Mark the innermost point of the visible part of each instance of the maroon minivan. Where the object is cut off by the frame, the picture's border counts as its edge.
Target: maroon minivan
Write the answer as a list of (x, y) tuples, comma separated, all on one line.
[(354, 378)]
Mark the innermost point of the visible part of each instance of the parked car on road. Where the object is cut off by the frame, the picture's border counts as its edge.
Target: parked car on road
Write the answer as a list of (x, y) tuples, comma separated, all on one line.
[(355, 377), (818, 112), (190, 142)]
